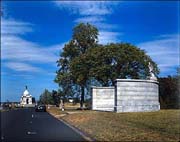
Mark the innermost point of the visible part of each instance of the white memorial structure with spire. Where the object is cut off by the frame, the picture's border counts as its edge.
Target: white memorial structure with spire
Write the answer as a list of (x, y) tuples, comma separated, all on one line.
[(26, 99)]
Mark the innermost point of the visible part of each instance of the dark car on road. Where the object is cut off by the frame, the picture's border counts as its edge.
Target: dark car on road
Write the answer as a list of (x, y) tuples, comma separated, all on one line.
[(41, 108)]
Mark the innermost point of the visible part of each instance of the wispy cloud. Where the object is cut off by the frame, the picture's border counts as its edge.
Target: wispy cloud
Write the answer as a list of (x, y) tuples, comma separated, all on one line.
[(94, 12), (18, 66), (164, 51), (105, 26), (19, 54), (109, 37), (16, 48), (87, 7), (12, 26), (92, 19)]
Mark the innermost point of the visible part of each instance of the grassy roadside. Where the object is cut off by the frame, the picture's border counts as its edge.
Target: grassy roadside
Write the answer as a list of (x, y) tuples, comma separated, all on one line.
[(108, 126)]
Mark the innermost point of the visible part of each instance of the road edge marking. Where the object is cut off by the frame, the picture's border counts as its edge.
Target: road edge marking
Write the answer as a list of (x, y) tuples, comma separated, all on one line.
[(77, 130)]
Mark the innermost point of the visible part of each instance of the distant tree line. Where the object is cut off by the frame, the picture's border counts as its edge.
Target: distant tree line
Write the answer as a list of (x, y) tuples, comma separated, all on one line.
[(46, 97), (53, 97), (169, 92)]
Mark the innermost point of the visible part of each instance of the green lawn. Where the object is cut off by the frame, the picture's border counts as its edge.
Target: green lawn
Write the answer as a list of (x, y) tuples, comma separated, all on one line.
[(163, 125)]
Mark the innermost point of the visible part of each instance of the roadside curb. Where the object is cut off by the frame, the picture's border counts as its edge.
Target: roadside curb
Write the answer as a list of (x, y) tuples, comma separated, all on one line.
[(77, 130)]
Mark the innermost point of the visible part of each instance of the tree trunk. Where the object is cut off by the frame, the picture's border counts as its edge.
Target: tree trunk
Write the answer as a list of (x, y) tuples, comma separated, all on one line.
[(82, 97)]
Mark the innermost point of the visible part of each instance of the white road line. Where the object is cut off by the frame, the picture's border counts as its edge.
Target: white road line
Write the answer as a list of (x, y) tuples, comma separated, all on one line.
[(31, 133), (2, 137), (32, 115)]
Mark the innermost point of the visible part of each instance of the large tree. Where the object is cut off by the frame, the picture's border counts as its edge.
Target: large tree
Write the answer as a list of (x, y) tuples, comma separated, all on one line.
[(85, 36), (109, 62)]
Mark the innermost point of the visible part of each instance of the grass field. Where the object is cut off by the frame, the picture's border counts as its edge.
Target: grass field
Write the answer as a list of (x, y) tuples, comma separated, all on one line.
[(163, 125)]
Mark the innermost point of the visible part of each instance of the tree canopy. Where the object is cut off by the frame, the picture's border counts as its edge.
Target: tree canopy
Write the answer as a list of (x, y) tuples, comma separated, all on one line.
[(112, 61)]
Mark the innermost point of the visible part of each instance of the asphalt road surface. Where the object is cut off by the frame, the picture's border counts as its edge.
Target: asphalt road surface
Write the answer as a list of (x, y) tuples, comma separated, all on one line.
[(27, 125)]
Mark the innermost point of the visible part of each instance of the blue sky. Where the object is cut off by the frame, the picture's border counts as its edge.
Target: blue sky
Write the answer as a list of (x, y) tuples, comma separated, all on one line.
[(33, 34)]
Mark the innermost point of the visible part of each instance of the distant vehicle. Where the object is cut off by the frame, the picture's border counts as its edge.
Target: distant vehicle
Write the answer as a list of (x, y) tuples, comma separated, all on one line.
[(40, 108)]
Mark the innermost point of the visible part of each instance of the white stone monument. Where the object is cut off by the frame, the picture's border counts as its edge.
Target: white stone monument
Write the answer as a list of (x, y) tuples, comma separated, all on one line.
[(128, 95), (26, 99)]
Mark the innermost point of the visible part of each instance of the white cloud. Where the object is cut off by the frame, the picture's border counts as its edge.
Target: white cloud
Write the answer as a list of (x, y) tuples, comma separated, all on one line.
[(164, 51), (89, 19), (98, 21), (18, 66), (16, 51), (15, 48), (108, 37), (11, 26), (106, 26), (87, 7)]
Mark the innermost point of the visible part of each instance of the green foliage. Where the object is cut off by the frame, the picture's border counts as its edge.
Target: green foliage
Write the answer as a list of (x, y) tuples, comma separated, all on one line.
[(109, 62), (85, 37), (52, 97), (46, 98), (169, 92)]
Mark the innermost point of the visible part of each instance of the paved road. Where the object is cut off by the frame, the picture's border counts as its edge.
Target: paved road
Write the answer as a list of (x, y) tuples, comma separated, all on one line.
[(27, 125)]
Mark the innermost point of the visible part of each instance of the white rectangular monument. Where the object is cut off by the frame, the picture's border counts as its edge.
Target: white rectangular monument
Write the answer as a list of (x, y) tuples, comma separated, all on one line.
[(128, 95), (103, 98), (134, 95)]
